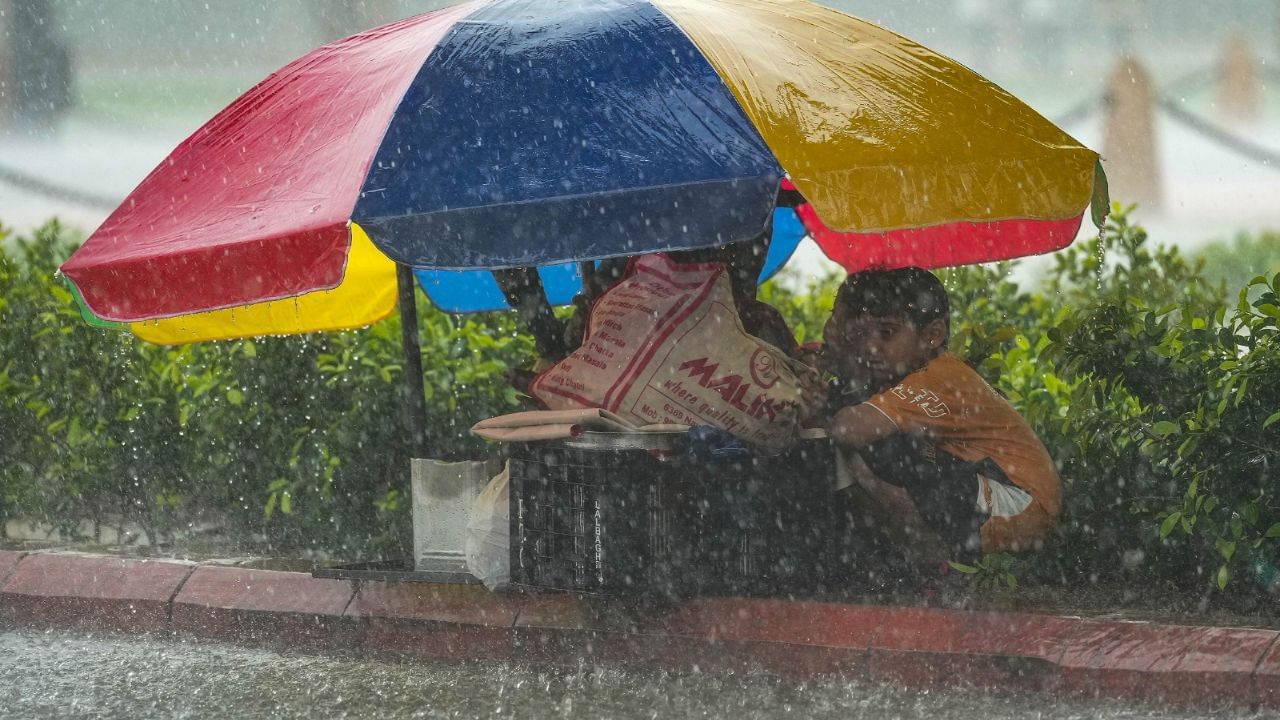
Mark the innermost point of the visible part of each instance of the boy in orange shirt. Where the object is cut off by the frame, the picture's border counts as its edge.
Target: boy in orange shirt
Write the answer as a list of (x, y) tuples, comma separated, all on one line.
[(931, 426)]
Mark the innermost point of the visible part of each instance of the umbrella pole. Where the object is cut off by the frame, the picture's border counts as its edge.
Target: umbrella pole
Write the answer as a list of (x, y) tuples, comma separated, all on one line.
[(416, 397)]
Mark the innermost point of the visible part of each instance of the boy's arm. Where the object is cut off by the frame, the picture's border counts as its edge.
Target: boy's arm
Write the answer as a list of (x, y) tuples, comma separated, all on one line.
[(856, 426)]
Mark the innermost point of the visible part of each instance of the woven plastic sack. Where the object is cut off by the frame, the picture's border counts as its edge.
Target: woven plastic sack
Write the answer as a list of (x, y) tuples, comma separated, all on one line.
[(665, 345)]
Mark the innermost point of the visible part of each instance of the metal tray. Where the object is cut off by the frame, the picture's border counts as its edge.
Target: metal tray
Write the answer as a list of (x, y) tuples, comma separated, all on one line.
[(664, 442)]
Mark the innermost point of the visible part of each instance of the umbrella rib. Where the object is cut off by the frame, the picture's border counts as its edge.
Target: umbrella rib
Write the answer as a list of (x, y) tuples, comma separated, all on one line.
[(576, 196)]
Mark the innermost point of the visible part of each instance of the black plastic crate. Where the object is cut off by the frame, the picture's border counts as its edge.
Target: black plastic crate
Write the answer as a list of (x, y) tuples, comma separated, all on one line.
[(618, 522), (606, 522), (768, 526)]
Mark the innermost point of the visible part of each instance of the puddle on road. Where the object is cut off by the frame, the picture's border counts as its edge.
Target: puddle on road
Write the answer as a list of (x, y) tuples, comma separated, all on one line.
[(60, 674)]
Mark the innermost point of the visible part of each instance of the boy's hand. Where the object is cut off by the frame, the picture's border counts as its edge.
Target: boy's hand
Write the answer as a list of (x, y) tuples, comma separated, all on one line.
[(813, 398), (813, 389), (810, 354)]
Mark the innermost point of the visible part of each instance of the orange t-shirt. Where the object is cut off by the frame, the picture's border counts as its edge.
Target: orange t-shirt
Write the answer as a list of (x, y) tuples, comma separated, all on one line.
[(950, 403)]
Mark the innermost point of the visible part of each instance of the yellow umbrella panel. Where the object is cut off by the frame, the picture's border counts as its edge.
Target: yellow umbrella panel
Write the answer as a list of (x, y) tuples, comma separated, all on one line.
[(878, 132), (366, 295)]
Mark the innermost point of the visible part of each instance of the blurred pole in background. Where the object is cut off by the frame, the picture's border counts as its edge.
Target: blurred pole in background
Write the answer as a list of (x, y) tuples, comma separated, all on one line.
[(37, 72), (1129, 142), (1239, 93)]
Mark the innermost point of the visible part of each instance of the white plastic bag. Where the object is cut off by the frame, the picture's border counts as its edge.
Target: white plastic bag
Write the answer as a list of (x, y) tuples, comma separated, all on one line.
[(488, 537)]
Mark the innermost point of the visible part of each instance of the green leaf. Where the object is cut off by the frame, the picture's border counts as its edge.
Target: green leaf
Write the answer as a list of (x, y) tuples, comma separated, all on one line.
[(1011, 580), (1164, 428), (1004, 333), (1226, 549), (1244, 385), (286, 502), (1250, 513), (234, 396), (1100, 202), (1224, 577), (1169, 524), (1273, 531), (1271, 420), (961, 567)]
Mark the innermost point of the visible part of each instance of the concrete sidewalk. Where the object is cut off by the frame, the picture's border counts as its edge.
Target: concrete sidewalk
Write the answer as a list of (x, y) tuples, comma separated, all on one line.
[(920, 647)]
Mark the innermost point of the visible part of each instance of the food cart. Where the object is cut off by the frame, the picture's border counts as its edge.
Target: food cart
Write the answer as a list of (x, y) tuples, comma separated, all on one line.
[(452, 149)]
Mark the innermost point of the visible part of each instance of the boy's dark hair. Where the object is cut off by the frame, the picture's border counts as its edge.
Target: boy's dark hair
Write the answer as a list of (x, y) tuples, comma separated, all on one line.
[(913, 293)]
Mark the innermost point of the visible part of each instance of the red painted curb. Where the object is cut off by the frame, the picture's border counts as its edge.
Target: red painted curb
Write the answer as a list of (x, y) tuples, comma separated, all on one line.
[(927, 647), (93, 590), (8, 561), (565, 629), (1266, 678), (792, 639), (1164, 663), (238, 603), (457, 621), (454, 604), (777, 621)]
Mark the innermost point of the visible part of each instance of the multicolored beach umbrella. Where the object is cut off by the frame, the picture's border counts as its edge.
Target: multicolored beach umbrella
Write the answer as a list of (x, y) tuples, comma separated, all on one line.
[(516, 133)]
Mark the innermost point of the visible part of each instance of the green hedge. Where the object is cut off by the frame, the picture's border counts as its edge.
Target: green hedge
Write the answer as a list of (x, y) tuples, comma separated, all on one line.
[(1156, 391), (1157, 394), (1160, 397), (293, 442)]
